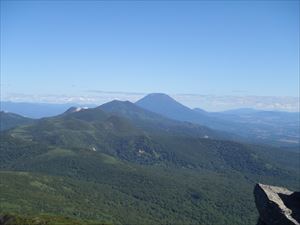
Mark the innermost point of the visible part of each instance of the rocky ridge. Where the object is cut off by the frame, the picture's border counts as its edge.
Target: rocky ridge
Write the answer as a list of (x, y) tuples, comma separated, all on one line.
[(277, 205)]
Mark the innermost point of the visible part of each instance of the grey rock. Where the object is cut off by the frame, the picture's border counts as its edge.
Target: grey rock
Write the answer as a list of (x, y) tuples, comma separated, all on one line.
[(277, 205)]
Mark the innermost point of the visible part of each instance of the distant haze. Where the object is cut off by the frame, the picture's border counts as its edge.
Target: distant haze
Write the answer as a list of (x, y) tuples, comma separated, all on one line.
[(206, 102)]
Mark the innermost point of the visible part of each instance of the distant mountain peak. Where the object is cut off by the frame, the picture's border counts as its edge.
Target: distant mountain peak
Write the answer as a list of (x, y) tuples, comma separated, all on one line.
[(161, 95), (116, 101), (158, 96), (75, 109), (161, 103), (117, 104), (161, 99)]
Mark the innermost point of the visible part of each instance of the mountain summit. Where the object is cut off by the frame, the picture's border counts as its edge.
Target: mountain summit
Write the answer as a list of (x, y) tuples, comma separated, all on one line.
[(167, 106), (160, 100)]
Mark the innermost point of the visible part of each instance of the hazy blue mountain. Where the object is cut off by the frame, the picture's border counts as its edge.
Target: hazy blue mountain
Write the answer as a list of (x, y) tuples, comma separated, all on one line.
[(200, 110), (266, 127), (10, 120), (36, 110), (167, 106)]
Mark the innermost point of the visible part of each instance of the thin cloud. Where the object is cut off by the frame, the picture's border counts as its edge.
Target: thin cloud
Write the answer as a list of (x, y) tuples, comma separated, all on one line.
[(116, 92)]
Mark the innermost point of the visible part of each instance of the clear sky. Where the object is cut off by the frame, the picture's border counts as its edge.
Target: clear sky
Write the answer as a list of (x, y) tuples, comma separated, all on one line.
[(213, 48)]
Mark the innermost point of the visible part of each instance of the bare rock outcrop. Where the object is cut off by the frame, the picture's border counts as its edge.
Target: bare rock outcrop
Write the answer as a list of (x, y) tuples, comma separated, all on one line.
[(277, 205)]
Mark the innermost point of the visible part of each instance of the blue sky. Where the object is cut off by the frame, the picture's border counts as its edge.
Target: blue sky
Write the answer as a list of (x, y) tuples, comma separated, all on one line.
[(237, 48)]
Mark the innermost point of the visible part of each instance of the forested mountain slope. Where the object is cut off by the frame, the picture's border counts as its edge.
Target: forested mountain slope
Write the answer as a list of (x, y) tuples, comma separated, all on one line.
[(97, 165), (10, 120)]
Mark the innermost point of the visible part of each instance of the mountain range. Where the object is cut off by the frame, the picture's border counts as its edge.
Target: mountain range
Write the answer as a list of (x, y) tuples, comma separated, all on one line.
[(126, 163), (37, 110), (264, 127), (277, 128)]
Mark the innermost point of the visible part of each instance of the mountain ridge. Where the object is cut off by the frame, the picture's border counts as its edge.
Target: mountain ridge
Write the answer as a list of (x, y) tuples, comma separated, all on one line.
[(10, 120), (261, 127)]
